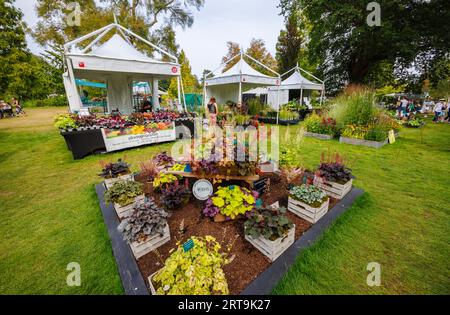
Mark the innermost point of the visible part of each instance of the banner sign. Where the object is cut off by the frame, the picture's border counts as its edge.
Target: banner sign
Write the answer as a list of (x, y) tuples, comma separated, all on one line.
[(136, 136)]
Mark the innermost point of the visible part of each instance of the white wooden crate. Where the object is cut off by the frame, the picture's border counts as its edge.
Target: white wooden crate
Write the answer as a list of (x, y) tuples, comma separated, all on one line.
[(273, 249), (335, 190), (141, 249), (125, 211), (150, 282), (307, 212), (109, 182)]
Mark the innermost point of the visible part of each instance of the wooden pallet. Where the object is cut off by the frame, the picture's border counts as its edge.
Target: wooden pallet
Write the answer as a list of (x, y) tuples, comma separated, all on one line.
[(125, 211), (335, 190), (249, 179), (307, 212), (142, 249), (109, 182), (273, 249)]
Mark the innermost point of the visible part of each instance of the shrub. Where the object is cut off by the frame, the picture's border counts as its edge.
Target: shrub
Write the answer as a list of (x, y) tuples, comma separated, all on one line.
[(123, 192), (313, 123), (147, 220), (149, 169), (197, 271), (231, 201), (309, 194), (269, 223), (163, 179), (288, 115), (175, 196), (114, 170)]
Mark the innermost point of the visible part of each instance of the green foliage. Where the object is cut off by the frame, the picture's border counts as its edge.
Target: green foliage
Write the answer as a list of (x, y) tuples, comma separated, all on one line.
[(163, 179), (288, 115), (309, 194), (194, 272), (255, 106), (60, 100), (66, 121), (269, 223), (123, 192), (146, 220), (233, 201)]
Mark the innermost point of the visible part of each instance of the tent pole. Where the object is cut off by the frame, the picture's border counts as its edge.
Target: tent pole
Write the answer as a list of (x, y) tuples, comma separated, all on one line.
[(182, 93), (204, 91), (301, 95), (78, 40), (240, 91), (278, 100), (95, 41), (179, 90), (321, 95)]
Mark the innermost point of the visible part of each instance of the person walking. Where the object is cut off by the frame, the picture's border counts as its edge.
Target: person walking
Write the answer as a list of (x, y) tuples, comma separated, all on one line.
[(212, 110)]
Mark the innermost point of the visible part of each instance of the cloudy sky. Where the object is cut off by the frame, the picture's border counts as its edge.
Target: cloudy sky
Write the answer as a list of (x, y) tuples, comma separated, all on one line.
[(218, 22)]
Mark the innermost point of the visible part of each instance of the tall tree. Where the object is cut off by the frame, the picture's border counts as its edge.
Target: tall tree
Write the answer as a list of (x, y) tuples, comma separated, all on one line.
[(232, 50), (412, 33), (291, 42)]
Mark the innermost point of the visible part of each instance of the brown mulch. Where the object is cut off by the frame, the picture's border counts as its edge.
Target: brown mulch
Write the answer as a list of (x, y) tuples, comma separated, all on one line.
[(248, 262)]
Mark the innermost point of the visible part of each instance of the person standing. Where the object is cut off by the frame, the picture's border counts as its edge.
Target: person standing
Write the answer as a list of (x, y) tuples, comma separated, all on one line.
[(438, 111), (403, 106), (212, 110)]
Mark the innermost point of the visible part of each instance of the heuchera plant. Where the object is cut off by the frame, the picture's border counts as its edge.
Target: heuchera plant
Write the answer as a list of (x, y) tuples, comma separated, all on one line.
[(232, 201), (269, 223), (163, 159), (114, 170), (123, 192), (332, 169), (197, 271), (147, 220), (163, 179), (175, 196), (309, 194)]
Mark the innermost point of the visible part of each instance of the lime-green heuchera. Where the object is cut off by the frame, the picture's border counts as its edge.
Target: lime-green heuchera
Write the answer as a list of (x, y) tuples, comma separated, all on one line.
[(197, 271), (233, 201)]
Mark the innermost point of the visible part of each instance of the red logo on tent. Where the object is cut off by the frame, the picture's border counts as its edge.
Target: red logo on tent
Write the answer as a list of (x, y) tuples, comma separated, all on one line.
[(174, 70), (81, 65)]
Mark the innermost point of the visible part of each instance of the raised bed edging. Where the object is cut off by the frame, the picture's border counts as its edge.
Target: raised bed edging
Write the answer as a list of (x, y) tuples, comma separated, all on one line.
[(366, 143), (266, 281), (318, 136), (134, 284), (132, 281)]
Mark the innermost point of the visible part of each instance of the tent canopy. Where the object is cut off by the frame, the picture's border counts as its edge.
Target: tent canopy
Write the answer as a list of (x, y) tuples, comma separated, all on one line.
[(296, 82), (118, 63), (229, 85)]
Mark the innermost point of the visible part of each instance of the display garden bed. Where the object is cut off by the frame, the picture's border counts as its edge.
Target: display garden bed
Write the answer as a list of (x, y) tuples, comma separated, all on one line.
[(250, 272), (366, 143), (318, 136)]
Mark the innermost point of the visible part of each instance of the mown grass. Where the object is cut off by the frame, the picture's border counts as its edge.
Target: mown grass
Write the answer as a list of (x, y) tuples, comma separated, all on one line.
[(51, 216)]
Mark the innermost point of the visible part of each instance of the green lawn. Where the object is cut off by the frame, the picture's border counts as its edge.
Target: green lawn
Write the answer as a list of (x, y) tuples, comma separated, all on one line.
[(51, 216)]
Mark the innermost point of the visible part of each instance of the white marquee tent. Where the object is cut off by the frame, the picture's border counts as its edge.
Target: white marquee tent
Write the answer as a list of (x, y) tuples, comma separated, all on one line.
[(229, 85), (280, 95), (118, 63)]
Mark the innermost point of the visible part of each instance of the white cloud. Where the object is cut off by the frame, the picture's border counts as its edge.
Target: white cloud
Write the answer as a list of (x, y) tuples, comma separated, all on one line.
[(216, 23)]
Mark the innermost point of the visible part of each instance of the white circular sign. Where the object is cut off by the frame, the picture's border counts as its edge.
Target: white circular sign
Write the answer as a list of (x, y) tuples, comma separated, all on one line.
[(203, 189)]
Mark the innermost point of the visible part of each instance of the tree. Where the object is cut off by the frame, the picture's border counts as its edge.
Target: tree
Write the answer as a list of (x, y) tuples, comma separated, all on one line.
[(256, 50), (190, 82), (413, 33), (290, 45), (150, 19)]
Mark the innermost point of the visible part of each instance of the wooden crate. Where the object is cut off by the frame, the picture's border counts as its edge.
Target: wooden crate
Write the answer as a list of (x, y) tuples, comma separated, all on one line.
[(125, 211), (150, 282), (141, 249), (111, 181), (335, 190), (307, 212), (273, 249)]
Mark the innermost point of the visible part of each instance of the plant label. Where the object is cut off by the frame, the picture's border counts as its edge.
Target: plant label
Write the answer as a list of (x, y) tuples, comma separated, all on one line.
[(203, 189)]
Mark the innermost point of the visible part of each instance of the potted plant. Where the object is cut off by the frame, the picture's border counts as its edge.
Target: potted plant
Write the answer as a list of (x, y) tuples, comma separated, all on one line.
[(308, 202), (194, 268), (163, 179), (175, 196), (123, 194), (146, 228), (113, 172), (270, 231), (163, 160), (149, 170), (334, 177), (230, 202)]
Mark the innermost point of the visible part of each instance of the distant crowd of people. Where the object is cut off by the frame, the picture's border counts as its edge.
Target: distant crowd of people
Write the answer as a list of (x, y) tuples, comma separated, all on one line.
[(10, 110), (408, 107)]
